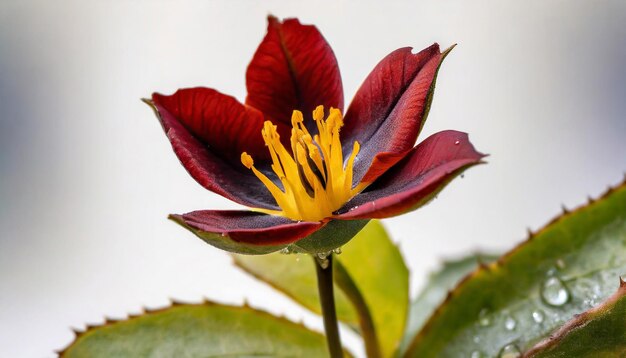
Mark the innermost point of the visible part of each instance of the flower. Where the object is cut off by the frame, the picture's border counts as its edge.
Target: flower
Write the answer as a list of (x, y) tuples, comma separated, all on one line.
[(281, 153)]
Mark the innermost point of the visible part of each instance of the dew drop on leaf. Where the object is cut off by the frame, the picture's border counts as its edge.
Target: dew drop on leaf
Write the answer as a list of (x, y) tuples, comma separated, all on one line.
[(510, 351), (554, 292), (483, 317), (510, 323), (538, 316)]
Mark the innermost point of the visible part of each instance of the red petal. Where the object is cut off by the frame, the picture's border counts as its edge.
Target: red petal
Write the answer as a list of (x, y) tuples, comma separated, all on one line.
[(210, 170), (391, 106), (249, 227), (219, 121), (293, 68), (415, 179)]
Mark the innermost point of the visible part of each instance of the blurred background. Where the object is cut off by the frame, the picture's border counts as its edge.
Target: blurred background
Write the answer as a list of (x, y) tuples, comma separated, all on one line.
[(87, 177)]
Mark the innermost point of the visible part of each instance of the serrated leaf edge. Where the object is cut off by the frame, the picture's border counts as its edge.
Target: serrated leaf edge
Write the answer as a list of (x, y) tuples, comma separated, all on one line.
[(78, 333)]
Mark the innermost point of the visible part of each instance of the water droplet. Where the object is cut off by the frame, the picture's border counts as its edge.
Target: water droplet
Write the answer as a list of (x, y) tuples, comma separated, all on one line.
[(510, 323), (337, 251), (223, 234), (285, 250), (456, 142), (560, 264), (538, 316), (591, 301), (462, 175), (483, 317), (323, 255), (298, 258), (477, 354), (510, 351), (554, 292)]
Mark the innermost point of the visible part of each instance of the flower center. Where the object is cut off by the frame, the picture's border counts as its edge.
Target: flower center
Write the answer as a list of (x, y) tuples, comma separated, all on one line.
[(314, 178)]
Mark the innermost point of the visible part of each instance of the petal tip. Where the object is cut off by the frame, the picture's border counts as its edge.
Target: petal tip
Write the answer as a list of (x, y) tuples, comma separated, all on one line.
[(272, 19), (448, 50), (176, 218)]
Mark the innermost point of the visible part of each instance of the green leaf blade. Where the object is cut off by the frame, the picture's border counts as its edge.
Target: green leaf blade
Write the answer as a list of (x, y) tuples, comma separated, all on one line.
[(519, 299), (294, 275), (599, 332), (436, 289), (377, 267), (202, 330)]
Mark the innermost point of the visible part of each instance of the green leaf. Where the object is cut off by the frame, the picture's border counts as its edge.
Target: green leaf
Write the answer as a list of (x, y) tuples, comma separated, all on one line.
[(370, 272), (377, 268), (202, 330), (599, 332), (436, 290), (569, 266), (294, 275)]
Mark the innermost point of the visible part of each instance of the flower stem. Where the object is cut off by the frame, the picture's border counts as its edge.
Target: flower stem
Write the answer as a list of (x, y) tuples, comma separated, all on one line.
[(327, 299)]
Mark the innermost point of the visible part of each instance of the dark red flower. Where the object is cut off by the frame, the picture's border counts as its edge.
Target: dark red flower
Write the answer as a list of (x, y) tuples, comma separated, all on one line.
[(280, 153)]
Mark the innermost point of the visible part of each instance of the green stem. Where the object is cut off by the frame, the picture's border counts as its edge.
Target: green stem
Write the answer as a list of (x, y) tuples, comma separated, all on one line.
[(327, 299)]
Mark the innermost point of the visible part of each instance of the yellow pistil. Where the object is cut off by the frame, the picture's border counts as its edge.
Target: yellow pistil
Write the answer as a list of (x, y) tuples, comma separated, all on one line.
[(315, 181)]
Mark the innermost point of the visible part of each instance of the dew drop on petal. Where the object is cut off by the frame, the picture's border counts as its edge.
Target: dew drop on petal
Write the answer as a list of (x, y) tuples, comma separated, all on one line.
[(538, 316), (510, 351), (456, 142), (554, 292)]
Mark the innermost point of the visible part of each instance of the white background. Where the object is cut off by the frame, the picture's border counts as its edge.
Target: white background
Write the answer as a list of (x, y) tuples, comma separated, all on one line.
[(87, 176)]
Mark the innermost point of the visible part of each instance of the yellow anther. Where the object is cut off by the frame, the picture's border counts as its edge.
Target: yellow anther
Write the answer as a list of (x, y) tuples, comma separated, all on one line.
[(246, 160), (318, 113), (314, 179)]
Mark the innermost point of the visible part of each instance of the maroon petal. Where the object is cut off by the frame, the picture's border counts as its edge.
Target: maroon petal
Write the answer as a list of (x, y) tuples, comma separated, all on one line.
[(213, 172), (415, 179), (219, 121), (248, 227), (293, 68), (391, 106)]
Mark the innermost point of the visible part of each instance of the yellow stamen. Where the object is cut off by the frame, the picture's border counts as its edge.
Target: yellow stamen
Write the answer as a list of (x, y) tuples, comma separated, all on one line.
[(315, 181)]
